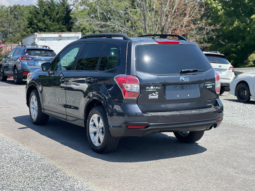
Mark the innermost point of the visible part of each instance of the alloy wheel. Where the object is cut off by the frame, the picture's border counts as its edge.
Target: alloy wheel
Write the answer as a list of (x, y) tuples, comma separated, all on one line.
[(96, 130), (33, 107)]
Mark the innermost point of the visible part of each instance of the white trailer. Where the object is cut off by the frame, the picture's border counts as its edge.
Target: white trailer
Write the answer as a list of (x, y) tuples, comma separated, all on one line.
[(55, 40)]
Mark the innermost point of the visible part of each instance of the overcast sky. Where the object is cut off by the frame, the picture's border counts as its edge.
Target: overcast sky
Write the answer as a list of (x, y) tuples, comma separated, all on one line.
[(20, 2)]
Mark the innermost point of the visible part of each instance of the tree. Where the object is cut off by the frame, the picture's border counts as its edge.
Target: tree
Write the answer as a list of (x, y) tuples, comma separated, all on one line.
[(50, 16), (136, 17), (234, 35), (13, 22)]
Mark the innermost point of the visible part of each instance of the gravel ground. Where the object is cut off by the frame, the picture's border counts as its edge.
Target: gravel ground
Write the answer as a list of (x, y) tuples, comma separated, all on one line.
[(23, 169), (237, 113)]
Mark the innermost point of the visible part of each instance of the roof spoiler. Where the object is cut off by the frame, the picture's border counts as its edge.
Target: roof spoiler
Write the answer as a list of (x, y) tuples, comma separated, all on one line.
[(164, 36)]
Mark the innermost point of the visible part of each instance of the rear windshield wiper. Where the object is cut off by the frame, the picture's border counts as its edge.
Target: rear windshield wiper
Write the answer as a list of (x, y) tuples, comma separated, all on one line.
[(190, 71)]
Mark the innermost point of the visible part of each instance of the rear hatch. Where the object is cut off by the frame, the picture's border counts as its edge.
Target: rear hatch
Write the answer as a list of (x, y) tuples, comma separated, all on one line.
[(35, 57), (221, 65), (174, 77)]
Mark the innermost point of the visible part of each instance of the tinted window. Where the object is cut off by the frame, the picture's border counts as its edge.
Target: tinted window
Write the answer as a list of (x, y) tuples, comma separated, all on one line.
[(17, 52), (217, 59), (110, 57), (11, 53), (89, 57), (40, 53), (169, 59), (65, 60)]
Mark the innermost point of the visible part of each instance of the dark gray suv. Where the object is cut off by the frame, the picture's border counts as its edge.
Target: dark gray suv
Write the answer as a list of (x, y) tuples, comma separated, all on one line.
[(116, 86)]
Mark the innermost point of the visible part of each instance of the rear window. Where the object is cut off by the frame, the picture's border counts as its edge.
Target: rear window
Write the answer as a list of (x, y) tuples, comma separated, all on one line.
[(216, 59), (40, 53), (169, 59)]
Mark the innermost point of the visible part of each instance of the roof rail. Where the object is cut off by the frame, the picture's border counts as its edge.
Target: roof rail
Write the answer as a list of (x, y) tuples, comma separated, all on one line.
[(212, 51), (164, 36), (106, 35)]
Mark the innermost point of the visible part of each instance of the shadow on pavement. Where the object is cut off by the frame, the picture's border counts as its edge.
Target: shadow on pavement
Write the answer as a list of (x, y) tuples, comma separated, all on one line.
[(11, 82), (235, 100), (132, 149)]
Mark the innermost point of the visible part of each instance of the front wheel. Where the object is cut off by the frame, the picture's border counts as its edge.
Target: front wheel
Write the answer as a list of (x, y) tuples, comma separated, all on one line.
[(35, 109), (243, 93), (2, 77), (189, 137), (98, 133)]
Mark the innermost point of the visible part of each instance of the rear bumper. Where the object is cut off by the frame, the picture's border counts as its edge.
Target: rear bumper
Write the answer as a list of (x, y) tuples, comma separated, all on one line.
[(180, 127), (178, 121)]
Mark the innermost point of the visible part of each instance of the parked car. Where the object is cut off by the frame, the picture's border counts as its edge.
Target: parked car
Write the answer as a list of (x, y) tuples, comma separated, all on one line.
[(23, 60), (223, 67), (243, 87), (117, 86)]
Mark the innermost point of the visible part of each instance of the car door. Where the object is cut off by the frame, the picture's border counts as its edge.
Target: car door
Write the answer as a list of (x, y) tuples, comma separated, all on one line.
[(13, 60), (80, 82), (54, 83), (7, 63)]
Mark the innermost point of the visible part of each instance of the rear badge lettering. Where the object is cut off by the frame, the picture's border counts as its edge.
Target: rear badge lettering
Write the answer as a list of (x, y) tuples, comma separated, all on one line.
[(152, 88), (209, 85), (153, 95)]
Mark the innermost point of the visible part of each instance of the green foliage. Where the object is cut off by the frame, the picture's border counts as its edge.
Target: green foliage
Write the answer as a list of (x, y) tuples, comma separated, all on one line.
[(13, 22), (234, 36), (50, 16)]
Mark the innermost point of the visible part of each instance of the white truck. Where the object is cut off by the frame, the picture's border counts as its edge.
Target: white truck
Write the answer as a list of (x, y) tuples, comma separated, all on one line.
[(55, 40)]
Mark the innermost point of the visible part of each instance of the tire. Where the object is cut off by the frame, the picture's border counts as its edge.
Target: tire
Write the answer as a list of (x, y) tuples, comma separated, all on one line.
[(2, 77), (94, 130), (243, 93), (38, 118), (222, 90), (17, 79), (189, 137)]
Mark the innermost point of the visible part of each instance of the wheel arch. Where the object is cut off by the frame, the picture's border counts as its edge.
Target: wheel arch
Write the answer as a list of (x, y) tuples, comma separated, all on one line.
[(90, 105), (28, 92)]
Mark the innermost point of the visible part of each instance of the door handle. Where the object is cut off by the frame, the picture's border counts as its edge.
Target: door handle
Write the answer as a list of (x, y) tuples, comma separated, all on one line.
[(90, 80)]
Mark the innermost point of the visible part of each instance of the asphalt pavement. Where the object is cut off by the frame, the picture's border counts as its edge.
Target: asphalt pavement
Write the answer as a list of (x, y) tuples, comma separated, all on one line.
[(58, 153)]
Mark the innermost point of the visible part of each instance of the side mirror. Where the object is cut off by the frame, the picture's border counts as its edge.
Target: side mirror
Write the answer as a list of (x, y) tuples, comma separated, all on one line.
[(45, 66), (4, 56)]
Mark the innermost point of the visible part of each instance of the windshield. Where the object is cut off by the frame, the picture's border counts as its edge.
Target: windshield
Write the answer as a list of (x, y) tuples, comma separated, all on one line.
[(169, 59), (40, 53), (216, 59)]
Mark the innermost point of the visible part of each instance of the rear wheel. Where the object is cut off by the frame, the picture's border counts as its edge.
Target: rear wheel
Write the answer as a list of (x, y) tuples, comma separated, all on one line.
[(35, 109), (189, 137), (98, 133), (243, 93), (2, 77), (17, 79)]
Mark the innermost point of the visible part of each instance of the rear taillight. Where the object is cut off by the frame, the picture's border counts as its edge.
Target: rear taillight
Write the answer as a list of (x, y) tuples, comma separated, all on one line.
[(217, 83), (168, 42), (25, 73), (25, 58), (129, 86), (232, 68)]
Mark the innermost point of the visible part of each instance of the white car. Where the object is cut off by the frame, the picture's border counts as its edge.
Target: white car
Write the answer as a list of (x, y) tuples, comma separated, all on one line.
[(243, 87), (223, 67)]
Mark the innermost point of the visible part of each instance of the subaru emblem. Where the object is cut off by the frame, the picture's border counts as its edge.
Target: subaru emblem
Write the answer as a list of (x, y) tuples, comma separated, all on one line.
[(184, 79)]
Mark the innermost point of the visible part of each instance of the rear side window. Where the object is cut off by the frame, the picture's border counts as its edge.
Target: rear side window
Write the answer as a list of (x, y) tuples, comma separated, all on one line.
[(110, 57), (89, 57), (169, 59), (217, 59), (40, 53)]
